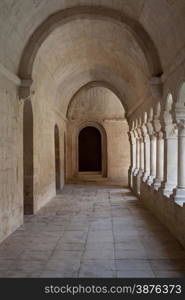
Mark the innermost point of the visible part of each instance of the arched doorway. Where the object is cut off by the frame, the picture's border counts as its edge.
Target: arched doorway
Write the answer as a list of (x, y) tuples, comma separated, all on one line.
[(28, 157), (57, 160), (90, 150)]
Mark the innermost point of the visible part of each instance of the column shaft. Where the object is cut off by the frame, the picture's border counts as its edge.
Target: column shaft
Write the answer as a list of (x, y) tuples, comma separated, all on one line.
[(146, 158), (141, 155), (137, 157), (132, 157), (159, 161), (170, 165), (152, 159), (179, 192)]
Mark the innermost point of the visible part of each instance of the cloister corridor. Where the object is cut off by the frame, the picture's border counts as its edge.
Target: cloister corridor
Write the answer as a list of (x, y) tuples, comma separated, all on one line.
[(92, 231)]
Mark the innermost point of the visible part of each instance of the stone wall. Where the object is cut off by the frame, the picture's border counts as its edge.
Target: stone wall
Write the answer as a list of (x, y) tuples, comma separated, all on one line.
[(11, 162), (166, 210), (11, 183), (44, 154), (118, 150), (100, 107)]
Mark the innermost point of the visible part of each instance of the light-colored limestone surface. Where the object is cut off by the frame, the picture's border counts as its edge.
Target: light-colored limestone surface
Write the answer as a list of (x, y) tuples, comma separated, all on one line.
[(90, 231), (134, 50), (94, 105), (11, 198)]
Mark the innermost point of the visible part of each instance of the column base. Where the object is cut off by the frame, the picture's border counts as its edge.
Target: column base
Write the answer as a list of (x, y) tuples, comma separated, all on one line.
[(145, 177), (150, 180), (136, 171), (157, 184), (167, 189), (140, 173), (179, 196)]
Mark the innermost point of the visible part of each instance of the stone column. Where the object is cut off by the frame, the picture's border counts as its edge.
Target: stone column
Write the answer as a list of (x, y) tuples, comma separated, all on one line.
[(170, 160), (141, 167), (146, 140), (152, 159), (140, 159), (179, 192), (132, 157), (159, 161), (136, 180), (137, 154)]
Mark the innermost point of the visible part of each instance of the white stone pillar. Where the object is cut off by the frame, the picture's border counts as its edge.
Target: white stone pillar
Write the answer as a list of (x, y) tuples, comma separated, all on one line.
[(141, 155), (179, 192), (132, 157), (170, 160), (137, 155), (146, 140), (140, 161), (152, 159), (159, 161)]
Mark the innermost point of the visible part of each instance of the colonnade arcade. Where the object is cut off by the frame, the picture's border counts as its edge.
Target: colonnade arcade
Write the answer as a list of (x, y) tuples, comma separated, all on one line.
[(157, 139)]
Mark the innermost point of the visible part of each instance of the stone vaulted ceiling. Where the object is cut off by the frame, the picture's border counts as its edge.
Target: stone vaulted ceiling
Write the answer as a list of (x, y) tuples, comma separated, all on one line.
[(63, 45)]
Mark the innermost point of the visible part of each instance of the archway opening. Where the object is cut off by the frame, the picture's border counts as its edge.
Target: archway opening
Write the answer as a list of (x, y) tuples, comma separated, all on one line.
[(90, 150), (57, 160), (28, 157)]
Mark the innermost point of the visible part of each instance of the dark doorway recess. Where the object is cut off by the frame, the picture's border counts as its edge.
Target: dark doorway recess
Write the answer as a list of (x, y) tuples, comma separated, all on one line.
[(28, 157), (90, 150), (57, 159)]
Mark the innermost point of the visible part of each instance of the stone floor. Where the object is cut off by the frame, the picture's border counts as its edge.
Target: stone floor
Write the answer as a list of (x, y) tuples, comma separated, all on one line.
[(92, 232)]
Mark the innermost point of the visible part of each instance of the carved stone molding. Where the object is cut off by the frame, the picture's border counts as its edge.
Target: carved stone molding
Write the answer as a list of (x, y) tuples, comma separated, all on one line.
[(132, 137), (26, 89), (181, 127), (171, 131), (150, 128)]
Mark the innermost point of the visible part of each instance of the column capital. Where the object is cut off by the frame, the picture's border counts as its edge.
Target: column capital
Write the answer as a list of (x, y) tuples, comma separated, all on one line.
[(160, 135), (157, 125), (144, 130), (26, 89), (132, 137), (181, 127), (150, 128), (140, 134), (171, 131)]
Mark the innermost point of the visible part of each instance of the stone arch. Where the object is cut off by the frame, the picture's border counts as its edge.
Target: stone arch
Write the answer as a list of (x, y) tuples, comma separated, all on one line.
[(150, 114), (168, 114), (91, 84), (139, 121), (52, 22), (131, 124), (169, 102), (136, 123), (181, 94), (158, 109), (28, 165), (57, 158), (179, 105), (157, 117), (103, 144), (145, 117)]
